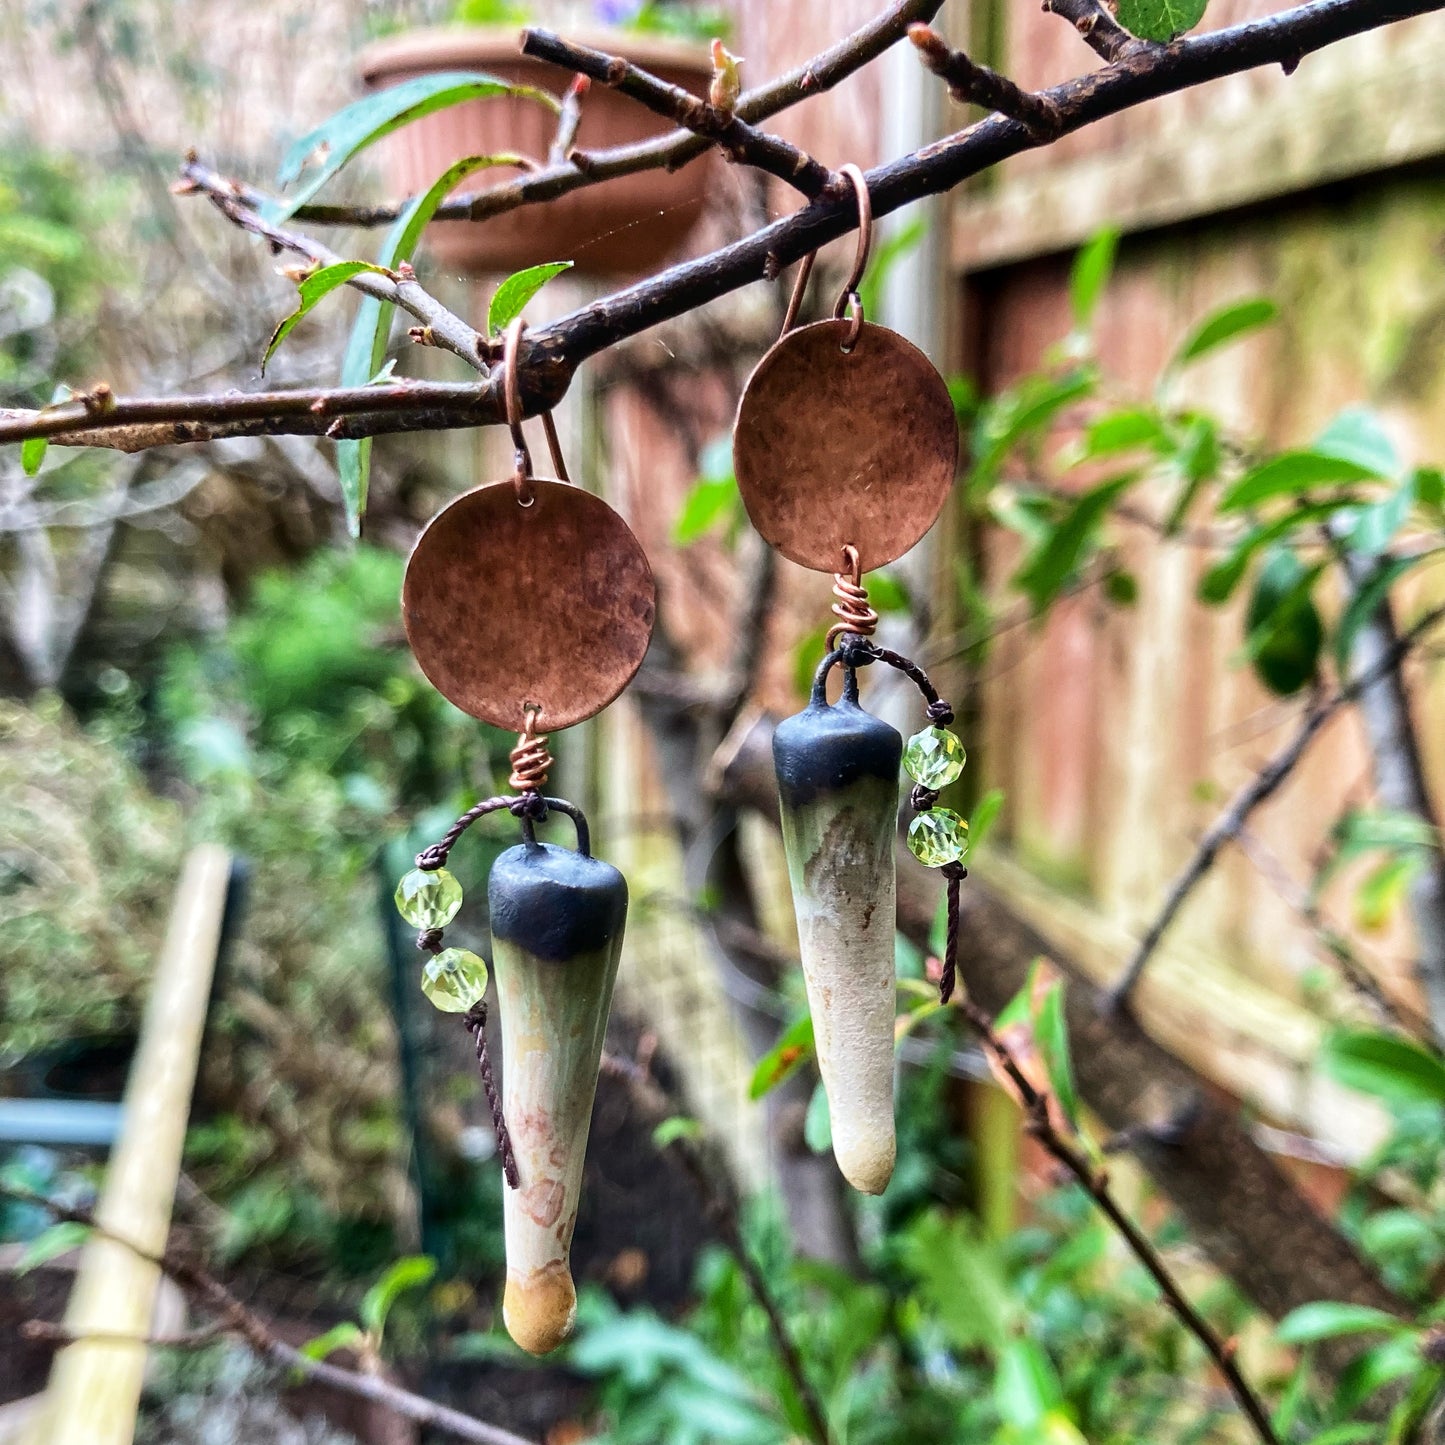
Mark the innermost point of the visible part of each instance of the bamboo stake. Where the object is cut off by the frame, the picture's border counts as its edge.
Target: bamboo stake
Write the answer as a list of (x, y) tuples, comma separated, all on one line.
[(95, 1384)]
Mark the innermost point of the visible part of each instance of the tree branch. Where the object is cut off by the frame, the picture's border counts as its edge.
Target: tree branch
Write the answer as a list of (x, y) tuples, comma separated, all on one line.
[(551, 354), (1098, 29), (234, 1317), (1095, 1183), (971, 83), (723, 128), (1262, 786)]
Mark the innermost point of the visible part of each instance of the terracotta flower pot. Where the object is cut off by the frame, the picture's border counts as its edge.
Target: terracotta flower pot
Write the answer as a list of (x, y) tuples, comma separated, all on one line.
[(620, 226)]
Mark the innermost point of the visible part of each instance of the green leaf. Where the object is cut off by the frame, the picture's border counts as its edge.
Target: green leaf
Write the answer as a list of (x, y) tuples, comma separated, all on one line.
[(1047, 570), (1122, 431), (1357, 435), (1289, 475), (898, 244), (1363, 605), (1376, 1368), (338, 1337), (413, 1272), (1051, 1033), (1329, 1319), (1219, 582), (1090, 274), (316, 286), (984, 816), (887, 592), (1384, 1066), (1121, 588), (790, 1052), (712, 502), (817, 1122), (510, 299), (1381, 895), (51, 1243), (678, 1127), (1026, 1386), (1284, 634), (366, 346), (1239, 317), (32, 454), (1019, 413), (350, 131)]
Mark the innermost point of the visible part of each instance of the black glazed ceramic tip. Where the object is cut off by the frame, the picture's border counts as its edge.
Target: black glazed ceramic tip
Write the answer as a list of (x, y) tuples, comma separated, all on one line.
[(828, 746), (554, 903)]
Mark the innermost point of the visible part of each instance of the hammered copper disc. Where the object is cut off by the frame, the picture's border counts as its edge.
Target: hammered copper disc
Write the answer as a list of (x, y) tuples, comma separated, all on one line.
[(835, 448), (509, 607)]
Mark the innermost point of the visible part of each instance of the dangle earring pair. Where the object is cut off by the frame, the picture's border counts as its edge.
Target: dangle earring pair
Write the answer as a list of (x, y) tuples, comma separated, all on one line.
[(497, 634), (845, 449)]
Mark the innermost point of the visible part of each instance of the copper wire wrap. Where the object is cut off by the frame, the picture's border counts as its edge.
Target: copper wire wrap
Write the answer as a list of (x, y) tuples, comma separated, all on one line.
[(852, 609), (531, 762)]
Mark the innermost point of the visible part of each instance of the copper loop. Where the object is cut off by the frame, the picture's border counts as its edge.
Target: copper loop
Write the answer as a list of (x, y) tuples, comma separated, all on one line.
[(849, 293), (852, 609), (554, 445), (531, 762), (800, 285), (512, 392)]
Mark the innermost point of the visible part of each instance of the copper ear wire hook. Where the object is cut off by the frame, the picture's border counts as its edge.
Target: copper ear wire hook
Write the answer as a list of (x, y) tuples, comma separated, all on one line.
[(511, 390), (849, 303)]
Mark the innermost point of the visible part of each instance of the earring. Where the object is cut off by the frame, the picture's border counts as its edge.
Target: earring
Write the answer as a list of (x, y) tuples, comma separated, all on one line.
[(530, 602), (845, 448)]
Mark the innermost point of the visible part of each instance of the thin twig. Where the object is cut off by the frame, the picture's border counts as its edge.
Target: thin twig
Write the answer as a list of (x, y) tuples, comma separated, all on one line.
[(1261, 787), (1099, 30), (655, 1104), (972, 84), (741, 141), (1096, 1184), (234, 1317)]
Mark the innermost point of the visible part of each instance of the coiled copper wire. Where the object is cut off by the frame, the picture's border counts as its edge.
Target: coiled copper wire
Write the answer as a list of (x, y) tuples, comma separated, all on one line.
[(531, 762), (852, 609)]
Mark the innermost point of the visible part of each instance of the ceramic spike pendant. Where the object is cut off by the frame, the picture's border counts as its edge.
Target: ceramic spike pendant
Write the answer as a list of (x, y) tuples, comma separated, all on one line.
[(837, 768), (845, 448), (557, 921), (550, 644)]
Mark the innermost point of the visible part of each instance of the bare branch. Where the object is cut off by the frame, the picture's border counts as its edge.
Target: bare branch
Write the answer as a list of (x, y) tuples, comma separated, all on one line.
[(972, 84), (234, 1317), (741, 141), (1261, 787), (1099, 30)]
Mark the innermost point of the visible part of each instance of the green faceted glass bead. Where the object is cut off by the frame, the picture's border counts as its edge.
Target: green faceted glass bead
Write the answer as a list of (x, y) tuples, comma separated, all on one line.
[(428, 899), (454, 980), (934, 757), (938, 836)]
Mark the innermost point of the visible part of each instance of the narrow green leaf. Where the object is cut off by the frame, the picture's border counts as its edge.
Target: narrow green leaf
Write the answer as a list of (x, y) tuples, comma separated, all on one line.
[(788, 1054), (712, 502), (1239, 317), (1090, 274), (365, 353), (346, 134), (1288, 475), (1357, 435), (1384, 1066), (1051, 1032), (413, 1272), (1122, 431), (32, 454), (51, 1243), (984, 816), (1026, 1386), (817, 1122), (511, 297), (1021, 412), (1393, 1360), (678, 1127), (1219, 582), (1330, 1319), (338, 1337), (1382, 893), (1050, 567), (316, 286)]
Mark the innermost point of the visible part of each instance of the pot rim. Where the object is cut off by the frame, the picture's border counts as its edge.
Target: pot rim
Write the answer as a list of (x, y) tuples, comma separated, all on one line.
[(449, 47)]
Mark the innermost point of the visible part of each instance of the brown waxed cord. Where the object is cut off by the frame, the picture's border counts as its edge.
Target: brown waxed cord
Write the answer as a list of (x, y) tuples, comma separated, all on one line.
[(475, 1023)]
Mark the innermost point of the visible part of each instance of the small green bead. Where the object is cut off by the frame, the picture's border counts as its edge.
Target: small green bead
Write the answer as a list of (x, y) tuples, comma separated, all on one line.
[(938, 836), (454, 980), (934, 757), (428, 899)]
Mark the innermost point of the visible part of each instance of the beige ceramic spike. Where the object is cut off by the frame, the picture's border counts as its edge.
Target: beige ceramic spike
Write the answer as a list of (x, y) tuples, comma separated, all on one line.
[(557, 919), (837, 772)]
